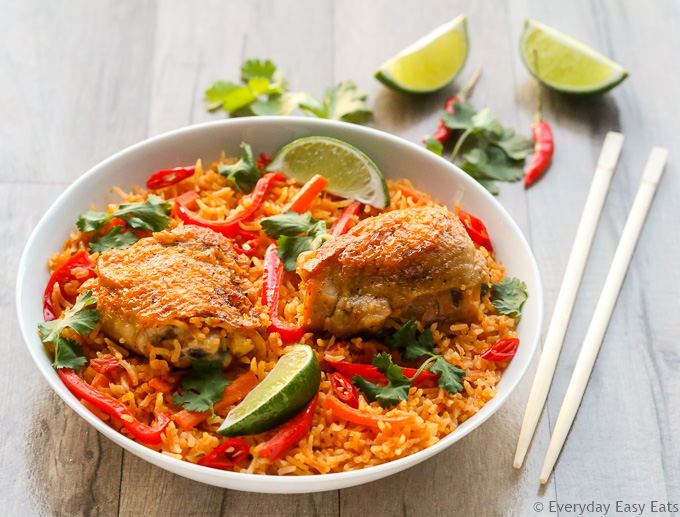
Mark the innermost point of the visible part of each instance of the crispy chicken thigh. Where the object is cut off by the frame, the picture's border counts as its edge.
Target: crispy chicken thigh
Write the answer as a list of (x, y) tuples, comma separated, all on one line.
[(416, 263), (183, 289)]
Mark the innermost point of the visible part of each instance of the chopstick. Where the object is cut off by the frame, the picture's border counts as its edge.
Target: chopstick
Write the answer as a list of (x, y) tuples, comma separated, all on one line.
[(606, 164), (605, 306)]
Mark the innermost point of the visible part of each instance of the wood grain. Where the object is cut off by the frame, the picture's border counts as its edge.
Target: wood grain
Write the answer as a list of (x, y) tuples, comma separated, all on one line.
[(81, 80)]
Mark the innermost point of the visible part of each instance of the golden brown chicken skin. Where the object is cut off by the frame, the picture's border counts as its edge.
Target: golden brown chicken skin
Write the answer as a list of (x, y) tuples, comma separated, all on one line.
[(416, 263), (185, 288)]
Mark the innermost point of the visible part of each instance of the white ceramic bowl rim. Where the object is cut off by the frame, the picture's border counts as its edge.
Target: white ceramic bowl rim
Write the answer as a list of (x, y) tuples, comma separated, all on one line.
[(255, 482)]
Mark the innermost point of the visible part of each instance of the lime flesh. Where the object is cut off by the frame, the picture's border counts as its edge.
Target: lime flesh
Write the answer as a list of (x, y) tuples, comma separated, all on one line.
[(283, 393), (564, 64), (430, 63), (350, 173)]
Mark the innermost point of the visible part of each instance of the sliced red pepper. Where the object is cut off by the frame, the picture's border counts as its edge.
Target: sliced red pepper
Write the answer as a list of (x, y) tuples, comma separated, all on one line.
[(262, 161), (64, 275), (115, 408), (341, 225), (104, 364), (476, 230), (169, 177), (370, 372), (271, 284), (503, 349), (344, 389), (230, 453), (290, 434), (250, 242), (229, 227)]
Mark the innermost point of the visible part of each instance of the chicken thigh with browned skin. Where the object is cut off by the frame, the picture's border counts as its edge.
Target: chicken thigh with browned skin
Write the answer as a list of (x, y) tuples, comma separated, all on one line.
[(415, 263)]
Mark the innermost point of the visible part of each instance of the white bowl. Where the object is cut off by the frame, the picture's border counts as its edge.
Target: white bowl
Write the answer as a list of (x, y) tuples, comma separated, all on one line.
[(395, 157)]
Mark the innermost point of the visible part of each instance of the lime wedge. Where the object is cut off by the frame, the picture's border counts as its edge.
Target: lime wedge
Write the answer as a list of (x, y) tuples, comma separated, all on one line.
[(430, 63), (283, 393), (350, 173), (564, 64)]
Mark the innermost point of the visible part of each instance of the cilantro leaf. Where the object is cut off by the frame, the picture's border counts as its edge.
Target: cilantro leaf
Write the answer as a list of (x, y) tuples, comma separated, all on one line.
[(464, 111), (244, 174), (289, 223), (81, 319), (487, 165), (510, 295), (346, 102), (450, 376), (434, 145), (397, 386), (282, 104), (257, 68), (114, 238), (68, 354), (412, 347), (202, 386), (287, 228), (516, 147)]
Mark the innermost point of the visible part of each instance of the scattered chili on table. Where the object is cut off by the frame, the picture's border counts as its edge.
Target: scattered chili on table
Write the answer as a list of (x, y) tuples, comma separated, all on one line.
[(163, 179), (344, 389), (341, 225), (230, 453), (64, 275), (544, 142), (503, 349), (475, 229), (290, 434)]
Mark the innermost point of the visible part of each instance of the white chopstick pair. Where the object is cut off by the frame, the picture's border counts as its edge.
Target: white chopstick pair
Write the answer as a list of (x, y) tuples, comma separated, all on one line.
[(565, 300)]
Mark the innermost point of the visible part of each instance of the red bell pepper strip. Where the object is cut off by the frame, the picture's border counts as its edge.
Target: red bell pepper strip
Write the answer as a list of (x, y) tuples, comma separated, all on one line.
[(341, 224), (104, 364), (356, 416), (230, 226), (370, 372), (64, 275), (169, 177), (503, 349), (307, 194), (115, 408), (230, 453), (344, 390), (290, 434), (476, 230), (271, 283)]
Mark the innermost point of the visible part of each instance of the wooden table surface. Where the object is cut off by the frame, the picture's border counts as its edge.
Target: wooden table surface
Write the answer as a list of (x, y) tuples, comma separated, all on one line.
[(81, 80)]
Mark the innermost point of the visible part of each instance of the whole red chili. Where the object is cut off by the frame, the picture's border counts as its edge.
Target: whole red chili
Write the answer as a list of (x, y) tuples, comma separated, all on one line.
[(290, 434), (230, 453), (475, 229), (442, 132), (543, 138), (64, 275), (503, 349), (169, 177), (344, 390)]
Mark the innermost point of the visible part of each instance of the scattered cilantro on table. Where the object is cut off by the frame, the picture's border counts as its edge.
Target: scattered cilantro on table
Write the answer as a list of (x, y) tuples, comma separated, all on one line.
[(244, 174), (509, 296), (294, 233), (202, 386)]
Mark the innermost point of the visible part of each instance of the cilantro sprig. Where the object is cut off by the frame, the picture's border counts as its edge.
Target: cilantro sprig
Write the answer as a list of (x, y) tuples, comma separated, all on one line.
[(294, 233), (412, 347), (244, 174), (81, 318), (509, 296), (264, 91), (151, 214), (202, 386)]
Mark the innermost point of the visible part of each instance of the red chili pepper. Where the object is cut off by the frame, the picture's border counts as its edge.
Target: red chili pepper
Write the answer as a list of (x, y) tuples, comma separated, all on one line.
[(340, 226), (262, 161), (544, 142), (290, 434), (229, 227), (104, 364), (250, 242), (230, 453), (271, 283), (369, 372), (503, 349), (442, 132), (476, 230), (344, 390), (115, 408), (64, 275), (169, 177)]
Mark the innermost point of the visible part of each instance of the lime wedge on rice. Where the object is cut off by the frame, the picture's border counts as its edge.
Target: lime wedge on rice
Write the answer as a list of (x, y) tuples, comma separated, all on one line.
[(283, 393), (564, 64), (350, 173), (430, 63)]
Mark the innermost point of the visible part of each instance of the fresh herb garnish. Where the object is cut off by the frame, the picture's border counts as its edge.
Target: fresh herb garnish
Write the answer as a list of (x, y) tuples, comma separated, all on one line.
[(294, 234), (67, 352), (244, 174), (492, 152), (265, 92), (151, 214), (397, 386), (203, 386), (509, 296), (434, 145)]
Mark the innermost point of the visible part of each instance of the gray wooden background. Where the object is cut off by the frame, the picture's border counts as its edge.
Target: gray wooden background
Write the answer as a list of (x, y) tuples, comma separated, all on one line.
[(80, 80)]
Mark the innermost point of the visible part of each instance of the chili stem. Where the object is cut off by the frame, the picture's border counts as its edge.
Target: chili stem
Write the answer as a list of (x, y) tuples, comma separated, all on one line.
[(459, 143), (470, 84), (539, 95)]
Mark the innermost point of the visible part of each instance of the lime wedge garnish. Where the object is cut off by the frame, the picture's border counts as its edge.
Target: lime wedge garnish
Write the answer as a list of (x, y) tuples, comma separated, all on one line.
[(564, 64), (283, 393), (430, 63), (350, 173)]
